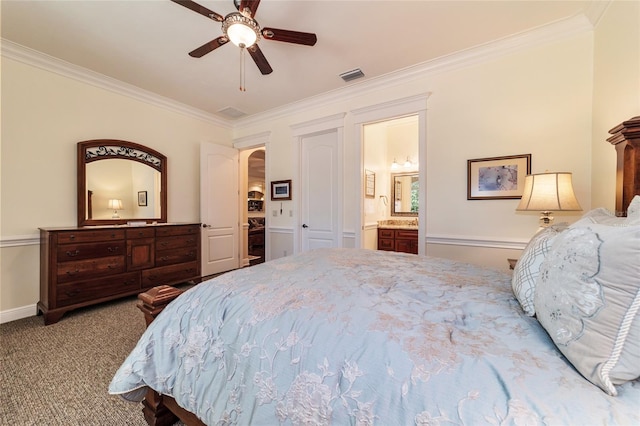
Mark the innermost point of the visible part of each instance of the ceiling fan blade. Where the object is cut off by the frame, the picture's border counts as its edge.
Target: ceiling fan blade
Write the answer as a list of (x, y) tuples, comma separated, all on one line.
[(208, 47), (259, 59), (251, 5), (200, 9), (308, 39)]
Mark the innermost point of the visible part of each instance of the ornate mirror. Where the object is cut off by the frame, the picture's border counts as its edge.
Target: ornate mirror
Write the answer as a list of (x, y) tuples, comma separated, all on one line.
[(120, 182), (405, 190)]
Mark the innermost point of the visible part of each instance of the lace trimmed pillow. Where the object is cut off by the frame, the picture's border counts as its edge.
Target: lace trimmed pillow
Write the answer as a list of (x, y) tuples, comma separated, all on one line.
[(525, 273), (588, 299)]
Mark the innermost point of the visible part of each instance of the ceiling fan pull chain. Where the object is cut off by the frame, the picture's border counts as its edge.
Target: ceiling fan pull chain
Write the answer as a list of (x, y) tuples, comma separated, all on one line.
[(243, 87)]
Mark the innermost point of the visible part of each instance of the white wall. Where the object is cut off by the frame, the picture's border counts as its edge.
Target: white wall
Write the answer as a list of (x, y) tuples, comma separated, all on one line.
[(44, 115)]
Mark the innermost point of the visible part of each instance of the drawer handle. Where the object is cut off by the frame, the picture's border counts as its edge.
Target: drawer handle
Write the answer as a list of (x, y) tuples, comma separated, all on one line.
[(72, 293), (111, 267), (128, 282), (163, 258), (191, 241), (72, 273), (163, 244), (72, 237), (73, 253), (113, 249)]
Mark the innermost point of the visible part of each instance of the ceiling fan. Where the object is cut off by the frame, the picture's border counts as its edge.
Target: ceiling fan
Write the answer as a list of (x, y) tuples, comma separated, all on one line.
[(244, 31)]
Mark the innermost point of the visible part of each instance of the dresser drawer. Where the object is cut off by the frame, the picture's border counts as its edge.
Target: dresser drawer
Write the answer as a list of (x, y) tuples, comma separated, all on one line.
[(141, 232), (180, 241), (70, 252), (89, 268), (83, 291), (67, 237), (170, 257), (170, 274), (167, 231)]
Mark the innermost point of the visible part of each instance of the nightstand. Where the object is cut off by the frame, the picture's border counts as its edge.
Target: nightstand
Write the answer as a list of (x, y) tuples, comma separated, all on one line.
[(512, 263)]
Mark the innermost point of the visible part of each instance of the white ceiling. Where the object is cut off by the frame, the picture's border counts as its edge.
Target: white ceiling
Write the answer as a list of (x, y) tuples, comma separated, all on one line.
[(145, 42)]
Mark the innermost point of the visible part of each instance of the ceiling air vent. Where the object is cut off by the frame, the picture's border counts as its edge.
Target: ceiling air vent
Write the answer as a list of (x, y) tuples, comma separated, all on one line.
[(232, 112), (352, 75)]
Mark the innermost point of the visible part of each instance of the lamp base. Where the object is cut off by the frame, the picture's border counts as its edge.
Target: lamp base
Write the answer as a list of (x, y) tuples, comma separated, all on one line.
[(546, 219), (115, 215)]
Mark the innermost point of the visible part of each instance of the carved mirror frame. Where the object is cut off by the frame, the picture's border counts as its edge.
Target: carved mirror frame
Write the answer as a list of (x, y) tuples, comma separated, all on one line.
[(106, 149)]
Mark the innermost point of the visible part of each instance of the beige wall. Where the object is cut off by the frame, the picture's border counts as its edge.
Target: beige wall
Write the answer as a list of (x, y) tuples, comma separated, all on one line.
[(44, 115), (616, 90), (536, 100)]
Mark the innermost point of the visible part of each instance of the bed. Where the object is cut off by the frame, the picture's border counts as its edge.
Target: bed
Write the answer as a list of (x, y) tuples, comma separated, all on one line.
[(354, 336)]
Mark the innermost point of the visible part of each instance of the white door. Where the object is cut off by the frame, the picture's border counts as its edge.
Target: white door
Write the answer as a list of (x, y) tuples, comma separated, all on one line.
[(219, 208), (321, 207)]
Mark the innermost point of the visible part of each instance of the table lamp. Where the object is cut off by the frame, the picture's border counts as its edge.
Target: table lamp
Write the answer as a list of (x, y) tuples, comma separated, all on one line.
[(548, 192)]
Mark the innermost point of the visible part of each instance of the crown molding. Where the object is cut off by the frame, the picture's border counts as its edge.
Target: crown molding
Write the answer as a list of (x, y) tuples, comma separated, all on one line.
[(49, 63), (551, 32), (544, 34)]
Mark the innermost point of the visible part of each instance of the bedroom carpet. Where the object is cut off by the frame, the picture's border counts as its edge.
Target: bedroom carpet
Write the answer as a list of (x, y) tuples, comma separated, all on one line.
[(59, 374)]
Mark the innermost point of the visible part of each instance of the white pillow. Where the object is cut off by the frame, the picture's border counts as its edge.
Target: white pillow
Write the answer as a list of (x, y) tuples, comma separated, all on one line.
[(525, 273), (606, 217), (588, 299)]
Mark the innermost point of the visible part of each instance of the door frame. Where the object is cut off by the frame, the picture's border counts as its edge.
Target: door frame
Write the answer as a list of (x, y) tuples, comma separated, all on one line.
[(299, 131), (258, 140), (413, 105)]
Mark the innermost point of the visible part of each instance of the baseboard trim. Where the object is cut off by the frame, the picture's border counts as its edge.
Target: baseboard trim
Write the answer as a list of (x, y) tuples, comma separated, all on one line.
[(18, 313)]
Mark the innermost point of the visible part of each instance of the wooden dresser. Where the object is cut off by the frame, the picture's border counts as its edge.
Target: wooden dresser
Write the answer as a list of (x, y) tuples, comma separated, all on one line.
[(89, 265), (402, 240)]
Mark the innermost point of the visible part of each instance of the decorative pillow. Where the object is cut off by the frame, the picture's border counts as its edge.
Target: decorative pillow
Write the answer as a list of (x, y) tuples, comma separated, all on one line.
[(606, 217), (588, 299), (633, 211), (525, 273)]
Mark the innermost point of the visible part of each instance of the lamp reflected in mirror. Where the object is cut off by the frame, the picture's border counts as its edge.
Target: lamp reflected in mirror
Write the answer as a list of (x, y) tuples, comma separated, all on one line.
[(115, 205)]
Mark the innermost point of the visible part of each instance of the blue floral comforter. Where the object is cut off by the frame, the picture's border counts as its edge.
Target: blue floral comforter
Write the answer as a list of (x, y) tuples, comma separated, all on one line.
[(350, 336)]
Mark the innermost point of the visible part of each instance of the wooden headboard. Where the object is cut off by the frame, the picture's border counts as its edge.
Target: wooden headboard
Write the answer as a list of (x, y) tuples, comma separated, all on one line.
[(626, 138)]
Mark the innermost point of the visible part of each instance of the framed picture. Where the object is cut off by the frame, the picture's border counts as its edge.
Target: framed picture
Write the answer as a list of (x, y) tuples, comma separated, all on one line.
[(369, 184), (281, 190), (142, 198), (497, 178)]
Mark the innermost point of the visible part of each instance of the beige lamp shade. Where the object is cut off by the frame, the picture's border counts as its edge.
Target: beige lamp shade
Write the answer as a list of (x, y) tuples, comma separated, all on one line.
[(115, 204), (547, 192)]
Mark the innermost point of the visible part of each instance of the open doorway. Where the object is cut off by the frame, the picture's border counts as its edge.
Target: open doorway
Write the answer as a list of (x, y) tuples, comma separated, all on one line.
[(392, 175), (255, 207)]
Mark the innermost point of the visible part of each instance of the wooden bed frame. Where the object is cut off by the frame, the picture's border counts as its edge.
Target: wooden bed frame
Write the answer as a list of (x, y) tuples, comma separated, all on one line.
[(162, 410)]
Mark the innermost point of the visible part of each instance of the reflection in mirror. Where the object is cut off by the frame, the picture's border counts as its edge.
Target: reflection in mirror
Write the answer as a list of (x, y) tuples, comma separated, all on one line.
[(138, 187), (405, 190), (131, 174)]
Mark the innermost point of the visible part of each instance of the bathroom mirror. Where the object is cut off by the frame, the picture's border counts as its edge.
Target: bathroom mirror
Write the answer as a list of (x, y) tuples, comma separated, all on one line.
[(405, 190), (120, 182)]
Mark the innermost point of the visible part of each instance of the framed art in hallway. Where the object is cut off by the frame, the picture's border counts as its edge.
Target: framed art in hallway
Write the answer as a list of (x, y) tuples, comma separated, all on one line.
[(496, 178), (281, 190)]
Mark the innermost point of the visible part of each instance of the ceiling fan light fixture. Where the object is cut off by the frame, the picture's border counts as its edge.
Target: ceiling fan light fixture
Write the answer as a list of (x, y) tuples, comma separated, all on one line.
[(241, 30)]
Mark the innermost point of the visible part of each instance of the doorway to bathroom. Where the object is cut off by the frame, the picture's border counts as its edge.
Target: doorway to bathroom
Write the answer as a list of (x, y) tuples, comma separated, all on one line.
[(392, 179)]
